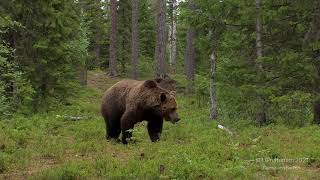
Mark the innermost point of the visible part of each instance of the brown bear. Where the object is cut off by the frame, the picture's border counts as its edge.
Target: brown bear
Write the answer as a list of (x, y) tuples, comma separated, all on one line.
[(129, 102)]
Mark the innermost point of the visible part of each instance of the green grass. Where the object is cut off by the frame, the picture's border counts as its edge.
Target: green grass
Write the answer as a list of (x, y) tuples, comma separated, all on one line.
[(51, 146)]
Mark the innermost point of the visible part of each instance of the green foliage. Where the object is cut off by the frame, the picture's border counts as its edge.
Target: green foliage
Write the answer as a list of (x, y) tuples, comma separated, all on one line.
[(147, 31), (124, 34), (292, 109), (146, 66), (3, 163), (42, 53), (287, 73), (97, 28), (48, 146), (15, 90), (146, 35)]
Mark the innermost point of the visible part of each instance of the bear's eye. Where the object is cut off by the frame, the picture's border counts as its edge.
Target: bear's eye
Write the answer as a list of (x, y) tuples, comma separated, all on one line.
[(173, 109)]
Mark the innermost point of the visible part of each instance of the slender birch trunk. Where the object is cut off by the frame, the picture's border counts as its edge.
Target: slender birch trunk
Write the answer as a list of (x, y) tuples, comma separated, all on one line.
[(213, 88)]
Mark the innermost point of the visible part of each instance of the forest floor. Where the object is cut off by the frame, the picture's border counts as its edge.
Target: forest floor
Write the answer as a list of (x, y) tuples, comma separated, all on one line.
[(54, 145)]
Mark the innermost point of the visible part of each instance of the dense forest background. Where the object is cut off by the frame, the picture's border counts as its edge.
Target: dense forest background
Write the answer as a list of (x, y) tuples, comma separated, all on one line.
[(264, 56), (246, 72)]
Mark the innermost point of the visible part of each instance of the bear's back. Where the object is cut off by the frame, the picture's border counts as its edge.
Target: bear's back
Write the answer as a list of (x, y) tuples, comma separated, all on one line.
[(115, 97)]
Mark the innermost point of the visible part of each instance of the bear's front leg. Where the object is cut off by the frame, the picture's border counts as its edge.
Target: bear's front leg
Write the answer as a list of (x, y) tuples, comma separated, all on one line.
[(127, 124), (155, 129)]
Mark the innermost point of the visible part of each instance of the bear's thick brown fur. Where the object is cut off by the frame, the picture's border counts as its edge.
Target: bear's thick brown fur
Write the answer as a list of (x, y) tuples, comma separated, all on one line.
[(129, 102)]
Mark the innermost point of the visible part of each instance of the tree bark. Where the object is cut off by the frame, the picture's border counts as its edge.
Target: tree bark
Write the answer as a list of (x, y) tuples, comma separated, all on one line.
[(169, 44), (174, 37), (135, 39), (189, 59), (313, 35), (316, 113), (83, 75), (113, 41), (172, 45), (258, 30), (261, 116), (189, 56), (160, 50), (97, 50), (213, 88)]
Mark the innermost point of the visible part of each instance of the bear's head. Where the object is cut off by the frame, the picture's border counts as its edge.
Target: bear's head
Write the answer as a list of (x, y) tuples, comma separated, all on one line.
[(162, 102), (169, 107)]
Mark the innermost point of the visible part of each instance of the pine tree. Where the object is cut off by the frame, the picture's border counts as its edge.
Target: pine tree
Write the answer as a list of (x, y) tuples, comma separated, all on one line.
[(160, 49), (135, 39), (261, 116), (312, 37), (49, 48), (113, 41), (124, 34), (190, 54), (95, 19)]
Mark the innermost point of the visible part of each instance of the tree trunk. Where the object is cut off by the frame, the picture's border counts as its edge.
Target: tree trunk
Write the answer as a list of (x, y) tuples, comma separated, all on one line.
[(213, 88), (313, 35), (316, 108), (189, 56), (160, 50), (113, 41), (174, 37), (97, 51), (169, 44), (261, 116), (316, 113), (258, 30), (189, 59), (83, 75), (135, 39)]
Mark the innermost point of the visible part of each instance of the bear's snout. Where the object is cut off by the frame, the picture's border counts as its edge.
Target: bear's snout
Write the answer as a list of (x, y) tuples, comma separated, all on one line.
[(176, 120)]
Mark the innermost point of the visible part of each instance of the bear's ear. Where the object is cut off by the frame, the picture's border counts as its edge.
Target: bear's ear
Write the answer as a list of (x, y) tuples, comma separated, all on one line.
[(150, 84), (163, 97), (158, 80)]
